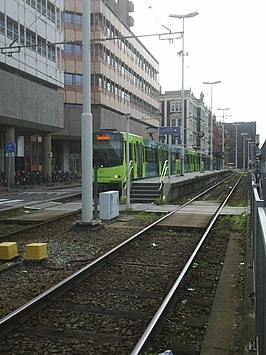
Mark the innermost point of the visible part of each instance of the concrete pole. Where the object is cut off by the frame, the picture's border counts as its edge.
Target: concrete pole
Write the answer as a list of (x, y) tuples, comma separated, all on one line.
[(47, 150), (244, 134), (223, 145), (86, 122), (236, 149), (211, 135), (182, 155), (248, 149), (211, 147), (127, 161)]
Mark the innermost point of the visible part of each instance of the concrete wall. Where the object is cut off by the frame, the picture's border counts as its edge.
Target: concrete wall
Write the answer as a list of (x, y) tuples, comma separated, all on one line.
[(180, 189), (24, 103), (102, 118)]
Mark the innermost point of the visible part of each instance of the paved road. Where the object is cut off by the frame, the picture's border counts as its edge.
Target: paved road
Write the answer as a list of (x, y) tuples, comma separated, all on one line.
[(19, 199)]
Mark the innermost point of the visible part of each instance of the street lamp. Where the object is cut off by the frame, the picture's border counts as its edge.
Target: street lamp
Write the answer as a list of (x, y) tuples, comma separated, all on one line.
[(127, 117), (244, 134), (223, 109), (236, 124), (86, 123), (211, 83), (192, 14), (249, 144)]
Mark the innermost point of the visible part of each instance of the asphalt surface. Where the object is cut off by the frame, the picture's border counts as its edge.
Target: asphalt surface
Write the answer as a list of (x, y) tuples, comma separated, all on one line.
[(20, 196)]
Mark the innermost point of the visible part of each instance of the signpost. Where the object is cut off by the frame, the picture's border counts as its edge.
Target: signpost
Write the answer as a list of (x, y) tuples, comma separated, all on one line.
[(10, 149), (174, 130), (10, 152)]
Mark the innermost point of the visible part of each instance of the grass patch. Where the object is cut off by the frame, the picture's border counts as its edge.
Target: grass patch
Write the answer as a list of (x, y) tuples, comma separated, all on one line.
[(239, 223), (236, 223), (144, 216), (160, 201)]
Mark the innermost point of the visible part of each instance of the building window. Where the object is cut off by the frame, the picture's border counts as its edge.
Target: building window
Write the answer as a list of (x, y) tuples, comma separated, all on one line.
[(50, 11), (12, 29), (32, 3), (68, 49), (22, 35), (78, 49), (42, 46), (67, 17), (41, 7), (78, 19), (79, 79), (73, 18), (2, 23), (175, 106), (68, 79), (30, 39), (51, 52)]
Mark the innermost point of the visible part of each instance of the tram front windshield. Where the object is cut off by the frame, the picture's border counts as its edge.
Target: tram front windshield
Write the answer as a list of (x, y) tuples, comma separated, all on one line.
[(107, 149)]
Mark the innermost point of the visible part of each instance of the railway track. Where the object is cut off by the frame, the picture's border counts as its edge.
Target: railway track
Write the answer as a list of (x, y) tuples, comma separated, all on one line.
[(116, 303)]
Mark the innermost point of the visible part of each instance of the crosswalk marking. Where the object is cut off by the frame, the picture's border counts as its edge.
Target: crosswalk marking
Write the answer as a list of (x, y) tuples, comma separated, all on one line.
[(9, 201), (29, 193)]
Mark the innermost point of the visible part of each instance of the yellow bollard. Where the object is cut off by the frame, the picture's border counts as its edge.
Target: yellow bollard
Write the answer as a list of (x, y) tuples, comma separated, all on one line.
[(8, 250), (36, 251)]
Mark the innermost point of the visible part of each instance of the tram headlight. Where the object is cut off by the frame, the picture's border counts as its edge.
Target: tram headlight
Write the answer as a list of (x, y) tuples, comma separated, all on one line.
[(117, 176)]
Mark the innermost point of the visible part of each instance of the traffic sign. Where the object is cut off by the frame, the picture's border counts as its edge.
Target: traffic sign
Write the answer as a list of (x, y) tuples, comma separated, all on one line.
[(175, 130), (10, 147)]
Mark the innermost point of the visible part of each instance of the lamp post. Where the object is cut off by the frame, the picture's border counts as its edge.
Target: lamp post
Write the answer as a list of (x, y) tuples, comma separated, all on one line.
[(192, 14), (211, 83), (236, 147), (249, 144), (244, 134), (86, 123), (127, 116), (223, 109)]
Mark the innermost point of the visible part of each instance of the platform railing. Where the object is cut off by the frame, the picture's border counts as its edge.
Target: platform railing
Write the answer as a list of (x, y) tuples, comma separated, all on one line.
[(258, 235), (124, 182), (165, 171)]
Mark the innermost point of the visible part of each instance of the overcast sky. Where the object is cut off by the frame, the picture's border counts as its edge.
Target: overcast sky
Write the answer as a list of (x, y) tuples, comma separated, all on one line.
[(225, 42)]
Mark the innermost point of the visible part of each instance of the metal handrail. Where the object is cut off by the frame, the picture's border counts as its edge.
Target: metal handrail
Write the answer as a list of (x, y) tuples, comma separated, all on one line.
[(258, 222), (124, 183), (163, 174)]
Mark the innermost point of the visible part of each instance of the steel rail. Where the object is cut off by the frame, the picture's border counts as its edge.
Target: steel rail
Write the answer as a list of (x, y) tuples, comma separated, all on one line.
[(9, 322), (159, 314)]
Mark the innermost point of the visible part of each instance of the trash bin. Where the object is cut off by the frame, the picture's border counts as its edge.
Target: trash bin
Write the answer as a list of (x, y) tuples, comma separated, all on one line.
[(109, 204)]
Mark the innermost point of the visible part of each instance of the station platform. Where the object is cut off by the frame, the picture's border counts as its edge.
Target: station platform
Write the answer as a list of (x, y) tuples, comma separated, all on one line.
[(40, 211), (180, 178)]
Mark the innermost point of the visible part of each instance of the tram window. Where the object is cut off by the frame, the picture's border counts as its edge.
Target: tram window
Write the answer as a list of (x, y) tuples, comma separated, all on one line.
[(108, 153), (130, 151), (151, 156)]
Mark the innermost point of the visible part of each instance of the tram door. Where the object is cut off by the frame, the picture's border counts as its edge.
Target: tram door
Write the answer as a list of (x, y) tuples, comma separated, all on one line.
[(138, 155)]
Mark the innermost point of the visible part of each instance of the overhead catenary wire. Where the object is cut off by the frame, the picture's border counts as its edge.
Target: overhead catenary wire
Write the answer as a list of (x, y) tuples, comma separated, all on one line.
[(37, 18)]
